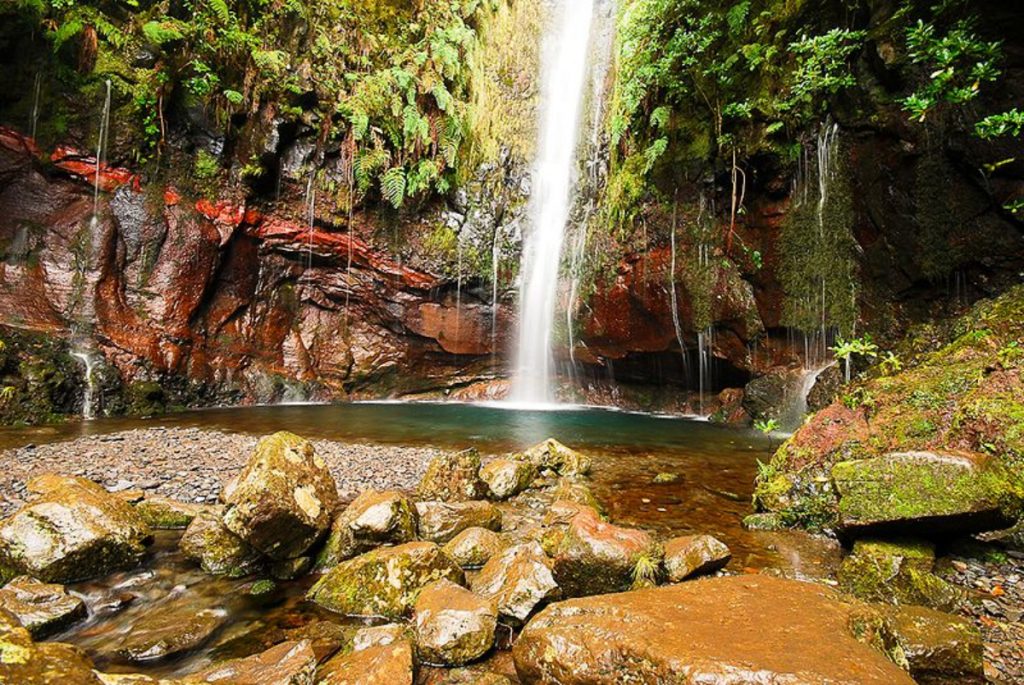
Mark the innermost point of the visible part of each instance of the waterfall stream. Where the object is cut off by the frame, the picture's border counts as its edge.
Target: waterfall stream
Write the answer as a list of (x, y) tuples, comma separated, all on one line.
[(562, 87), (90, 384)]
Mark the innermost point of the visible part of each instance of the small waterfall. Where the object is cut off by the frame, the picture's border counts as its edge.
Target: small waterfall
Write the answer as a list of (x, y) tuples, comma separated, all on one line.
[(793, 416), (674, 300), (90, 383), (562, 85), (495, 259), (101, 147), (37, 90), (310, 218)]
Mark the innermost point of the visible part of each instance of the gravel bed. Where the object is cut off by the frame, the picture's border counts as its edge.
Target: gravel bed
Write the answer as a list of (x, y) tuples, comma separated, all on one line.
[(192, 464)]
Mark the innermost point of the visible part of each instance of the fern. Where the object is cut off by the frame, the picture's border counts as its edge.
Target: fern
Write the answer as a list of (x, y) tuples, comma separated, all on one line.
[(392, 185), (220, 10), (161, 32)]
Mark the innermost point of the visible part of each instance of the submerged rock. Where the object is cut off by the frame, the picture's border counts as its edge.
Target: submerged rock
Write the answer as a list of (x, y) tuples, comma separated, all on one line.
[(220, 552), (694, 555), (742, 629), (507, 477), (41, 608), (168, 631), (289, 663), (453, 477), (391, 664), (518, 579), (595, 557), (926, 492), (384, 582), (442, 521), (473, 547), (163, 513), (453, 625), (73, 531), (896, 572), (284, 499), (373, 518), (934, 647), (552, 455)]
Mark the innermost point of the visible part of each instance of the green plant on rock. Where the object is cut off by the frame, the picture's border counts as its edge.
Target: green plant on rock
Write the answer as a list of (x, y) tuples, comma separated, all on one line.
[(847, 349), (645, 571)]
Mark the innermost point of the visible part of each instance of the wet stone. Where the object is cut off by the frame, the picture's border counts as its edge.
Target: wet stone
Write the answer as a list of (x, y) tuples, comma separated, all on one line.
[(473, 547), (163, 513), (694, 555), (220, 552), (506, 478), (390, 664), (442, 521), (453, 625), (453, 477), (289, 663), (167, 631), (374, 518), (518, 580), (42, 608)]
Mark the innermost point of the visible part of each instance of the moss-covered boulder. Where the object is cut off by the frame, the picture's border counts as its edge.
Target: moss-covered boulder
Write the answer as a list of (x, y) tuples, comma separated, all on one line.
[(441, 521), (73, 531), (284, 499), (208, 542), (24, 662), (552, 455), (453, 625), (163, 513), (391, 664), (694, 555), (507, 477), (453, 477), (519, 580), (473, 547), (596, 557), (42, 608), (927, 492), (896, 572), (573, 490), (384, 582), (935, 647), (373, 518)]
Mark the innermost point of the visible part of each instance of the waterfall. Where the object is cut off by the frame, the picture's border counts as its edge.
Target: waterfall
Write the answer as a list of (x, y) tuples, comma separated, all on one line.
[(36, 92), (90, 383), (101, 146), (562, 84)]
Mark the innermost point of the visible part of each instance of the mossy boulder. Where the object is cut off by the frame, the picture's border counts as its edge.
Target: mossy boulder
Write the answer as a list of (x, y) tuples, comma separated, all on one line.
[(390, 664), (442, 521), (507, 477), (208, 542), (453, 625), (519, 580), (41, 608), (24, 662), (453, 477), (896, 572), (384, 582), (73, 531), (573, 490), (935, 647), (474, 547), (373, 518), (927, 493), (163, 513), (284, 499), (694, 555), (552, 455)]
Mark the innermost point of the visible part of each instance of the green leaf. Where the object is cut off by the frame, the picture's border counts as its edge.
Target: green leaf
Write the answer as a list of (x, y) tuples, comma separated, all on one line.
[(392, 185)]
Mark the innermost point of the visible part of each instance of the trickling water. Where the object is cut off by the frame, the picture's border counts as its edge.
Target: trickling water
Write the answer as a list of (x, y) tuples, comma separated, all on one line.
[(562, 81), (495, 259), (101, 146), (310, 218), (675, 303), (36, 92), (90, 383)]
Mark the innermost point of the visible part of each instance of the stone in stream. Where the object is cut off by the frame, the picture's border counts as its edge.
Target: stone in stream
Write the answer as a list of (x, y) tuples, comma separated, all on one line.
[(507, 477), (74, 530), (453, 625), (380, 635), (693, 555), (934, 647), (552, 455), (473, 547), (384, 582), (453, 477), (896, 572), (739, 629), (572, 490), (289, 663), (926, 493), (284, 499), (391, 664), (168, 630), (518, 579), (442, 521), (373, 518), (163, 513), (220, 552), (595, 557), (466, 676), (42, 608), (24, 662)]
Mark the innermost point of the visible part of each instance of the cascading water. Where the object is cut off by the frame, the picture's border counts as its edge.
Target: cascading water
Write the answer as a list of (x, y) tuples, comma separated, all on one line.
[(101, 146), (562, 83), (90, 383), (37, 90)]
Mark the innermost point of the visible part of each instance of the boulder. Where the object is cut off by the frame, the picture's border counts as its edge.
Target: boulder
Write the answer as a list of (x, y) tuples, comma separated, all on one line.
[(925, 493), (933, 646), (384, 582), (24, 662), (453, 477), (390, 664), (168, 630), (507, 477), (552, 455), (467, 676), (380, 635), (208, 542), (896, 572), (373, 518), (289, 663), (571, 490), (694, 555), (740, 629), (163, 513), (41, 608), (518, 580), (284, 499), (290, 569), (473, 547), (73, 531), (453, 625), (595, 557), (442, 521)]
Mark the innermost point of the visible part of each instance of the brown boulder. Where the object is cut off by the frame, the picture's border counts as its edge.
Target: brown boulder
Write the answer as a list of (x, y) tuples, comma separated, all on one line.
[(390, 664), (694, 555), (373, 518), (518, 579), (41, 608), (289, 663), (453, 477), (441, 521), (453, 625)]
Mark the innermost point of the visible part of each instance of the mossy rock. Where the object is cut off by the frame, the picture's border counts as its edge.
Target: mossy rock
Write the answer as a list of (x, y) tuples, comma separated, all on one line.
[(162, 513), (896, 572), (552, 455), (935, 647), (25, 662), (453, 477), (220, 552)]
